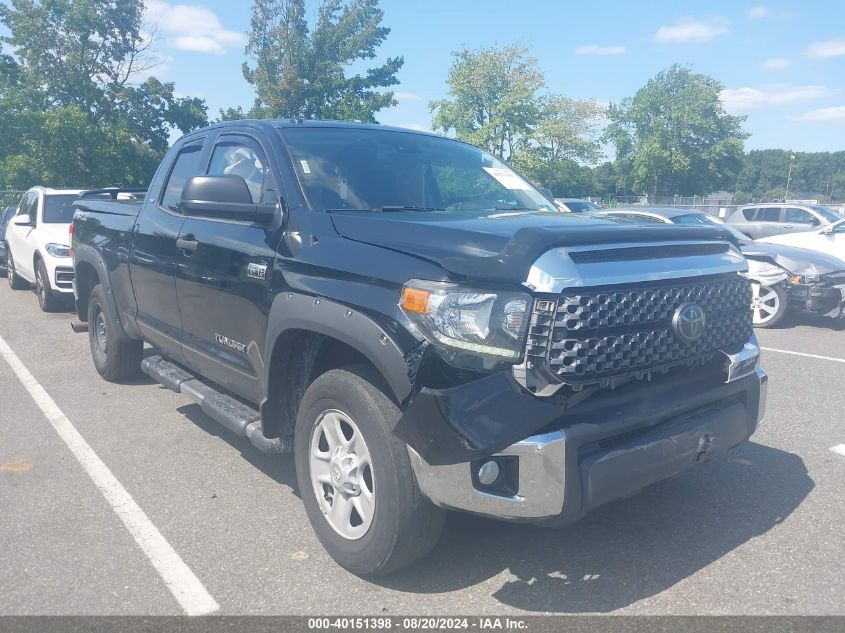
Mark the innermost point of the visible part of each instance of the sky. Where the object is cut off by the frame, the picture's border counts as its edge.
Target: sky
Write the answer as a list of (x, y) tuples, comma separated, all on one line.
[(782, 63)]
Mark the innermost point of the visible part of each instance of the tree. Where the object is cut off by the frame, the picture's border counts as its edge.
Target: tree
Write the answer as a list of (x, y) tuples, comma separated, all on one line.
[(301, 73), (564, 136), (493, 98), (818, 175), (498, 101), (675, 135), (76, 112)]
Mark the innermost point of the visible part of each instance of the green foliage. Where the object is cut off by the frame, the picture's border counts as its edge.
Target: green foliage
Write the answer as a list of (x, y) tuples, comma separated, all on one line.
[(497, 100), (74, 113), (301, 73), (494, 98), (819, 175), (675, 137)]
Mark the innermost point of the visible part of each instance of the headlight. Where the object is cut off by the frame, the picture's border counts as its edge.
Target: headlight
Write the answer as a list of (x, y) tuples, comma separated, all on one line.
[(488, 322), (57, 250)]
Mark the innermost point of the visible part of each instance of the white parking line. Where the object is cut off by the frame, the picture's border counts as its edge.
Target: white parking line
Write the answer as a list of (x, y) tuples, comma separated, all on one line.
[(189, 592), (839, 448), (786, 351)]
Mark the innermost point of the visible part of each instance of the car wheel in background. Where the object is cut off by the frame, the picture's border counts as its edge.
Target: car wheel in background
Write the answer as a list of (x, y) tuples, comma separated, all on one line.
[(47, 299), (16, 282), (115, 359), (768, 305)]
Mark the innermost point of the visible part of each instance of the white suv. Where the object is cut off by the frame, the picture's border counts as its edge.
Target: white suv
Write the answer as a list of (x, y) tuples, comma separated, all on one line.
[(38, 245)]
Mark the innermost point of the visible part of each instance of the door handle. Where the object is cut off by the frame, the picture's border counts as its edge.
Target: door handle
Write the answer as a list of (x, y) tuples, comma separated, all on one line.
[(187, 243), (787, 226)]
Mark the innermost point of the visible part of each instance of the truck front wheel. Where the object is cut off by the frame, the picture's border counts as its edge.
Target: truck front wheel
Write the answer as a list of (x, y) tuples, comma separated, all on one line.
[(355, 477), (115, 359)]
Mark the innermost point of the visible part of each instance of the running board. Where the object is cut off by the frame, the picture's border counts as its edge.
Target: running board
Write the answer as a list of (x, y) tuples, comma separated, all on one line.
[(240, 418)]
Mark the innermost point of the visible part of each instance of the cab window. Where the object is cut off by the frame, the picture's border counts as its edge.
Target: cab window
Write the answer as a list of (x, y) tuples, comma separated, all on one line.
[(241, 159), (185, 167)]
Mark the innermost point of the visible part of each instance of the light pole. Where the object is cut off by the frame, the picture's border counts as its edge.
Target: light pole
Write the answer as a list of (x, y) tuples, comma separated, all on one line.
[(788, 177)]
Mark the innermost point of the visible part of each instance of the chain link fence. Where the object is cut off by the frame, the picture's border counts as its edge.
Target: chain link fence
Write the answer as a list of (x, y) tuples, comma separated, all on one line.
[(9, 198)]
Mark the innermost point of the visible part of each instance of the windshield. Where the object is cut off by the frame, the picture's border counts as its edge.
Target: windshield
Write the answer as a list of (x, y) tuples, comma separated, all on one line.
[(827, 213), (58, 209), (365, 169), (579, 206), (706, 219)]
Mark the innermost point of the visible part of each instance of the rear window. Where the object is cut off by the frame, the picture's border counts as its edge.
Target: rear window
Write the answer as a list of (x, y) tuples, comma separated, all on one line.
[(749, 213), (58, 209)]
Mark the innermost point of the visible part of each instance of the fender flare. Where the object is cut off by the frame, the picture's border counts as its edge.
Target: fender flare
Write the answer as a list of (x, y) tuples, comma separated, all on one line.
[(296, 311), (88, 255)]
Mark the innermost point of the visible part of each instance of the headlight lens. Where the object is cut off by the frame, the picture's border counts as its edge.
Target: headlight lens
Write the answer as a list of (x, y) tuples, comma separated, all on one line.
[(57, 250), (489, 322)]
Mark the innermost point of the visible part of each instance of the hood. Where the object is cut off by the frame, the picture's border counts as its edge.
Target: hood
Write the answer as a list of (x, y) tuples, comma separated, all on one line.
[(798, 261), (501, 245), (50, 233)]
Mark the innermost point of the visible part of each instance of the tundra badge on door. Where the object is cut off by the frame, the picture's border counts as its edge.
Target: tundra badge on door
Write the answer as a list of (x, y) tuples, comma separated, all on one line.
[(257, 271), (230, 343)]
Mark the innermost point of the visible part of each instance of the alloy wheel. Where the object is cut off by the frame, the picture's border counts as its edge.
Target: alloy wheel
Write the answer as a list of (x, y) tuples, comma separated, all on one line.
[(341, 474), (765, 304)]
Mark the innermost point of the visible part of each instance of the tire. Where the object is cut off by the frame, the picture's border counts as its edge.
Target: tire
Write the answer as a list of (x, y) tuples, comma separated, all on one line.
[(398, 526), (768, 305), (47, 298), (115, 359), (16, 282)]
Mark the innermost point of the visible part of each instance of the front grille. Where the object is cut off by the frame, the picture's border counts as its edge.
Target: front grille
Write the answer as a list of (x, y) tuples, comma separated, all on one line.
[(592, 335)]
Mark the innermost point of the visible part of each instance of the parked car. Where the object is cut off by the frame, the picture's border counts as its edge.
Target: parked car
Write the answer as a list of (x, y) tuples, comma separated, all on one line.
[(764, 220), (5, 217), (419, 326), (38, 245), (829, 239), (782, 276), (575, 205)]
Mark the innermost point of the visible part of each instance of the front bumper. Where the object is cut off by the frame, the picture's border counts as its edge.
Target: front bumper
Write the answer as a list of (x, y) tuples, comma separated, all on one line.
[(618, 443), (821, 298)]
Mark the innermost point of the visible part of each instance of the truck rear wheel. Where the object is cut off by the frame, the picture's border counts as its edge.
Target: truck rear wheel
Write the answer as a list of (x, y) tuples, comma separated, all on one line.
[(355, 477), (114, 359)]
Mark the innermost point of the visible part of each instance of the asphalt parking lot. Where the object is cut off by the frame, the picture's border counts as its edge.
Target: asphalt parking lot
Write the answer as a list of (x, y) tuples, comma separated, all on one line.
[(759, 531)]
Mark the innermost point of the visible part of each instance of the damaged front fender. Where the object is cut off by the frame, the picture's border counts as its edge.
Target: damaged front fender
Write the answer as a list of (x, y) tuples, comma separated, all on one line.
[(473, 420)]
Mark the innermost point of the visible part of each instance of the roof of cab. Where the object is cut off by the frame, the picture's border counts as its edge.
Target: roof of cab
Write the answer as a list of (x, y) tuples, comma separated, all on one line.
[(309, 123)]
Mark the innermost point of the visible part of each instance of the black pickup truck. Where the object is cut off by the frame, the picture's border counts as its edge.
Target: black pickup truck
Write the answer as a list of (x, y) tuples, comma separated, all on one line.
[(419, 326)]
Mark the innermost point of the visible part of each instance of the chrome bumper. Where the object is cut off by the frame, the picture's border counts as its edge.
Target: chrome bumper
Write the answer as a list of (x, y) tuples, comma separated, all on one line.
[(548, 460)]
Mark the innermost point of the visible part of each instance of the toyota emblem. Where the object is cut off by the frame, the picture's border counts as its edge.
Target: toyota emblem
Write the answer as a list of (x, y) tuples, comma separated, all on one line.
[(689, 322)]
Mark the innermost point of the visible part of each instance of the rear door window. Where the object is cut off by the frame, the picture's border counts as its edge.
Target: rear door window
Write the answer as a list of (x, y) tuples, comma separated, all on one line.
[(768, 214), (185, 166)]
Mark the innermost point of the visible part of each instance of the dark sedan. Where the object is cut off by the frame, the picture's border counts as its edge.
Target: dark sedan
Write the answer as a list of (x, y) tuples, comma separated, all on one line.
[(782, 277)]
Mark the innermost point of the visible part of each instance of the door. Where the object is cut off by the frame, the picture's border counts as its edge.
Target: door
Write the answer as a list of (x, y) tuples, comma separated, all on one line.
[(767, 222), (19, 238), (797, 220), (223, 275), (152, 260)]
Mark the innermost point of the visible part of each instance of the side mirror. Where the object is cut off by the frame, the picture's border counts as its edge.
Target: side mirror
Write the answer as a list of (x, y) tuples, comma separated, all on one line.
[(223, 196), (22, 220), (814, 220)]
